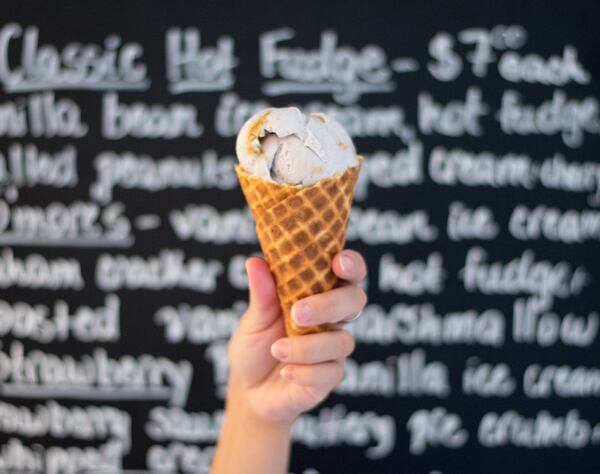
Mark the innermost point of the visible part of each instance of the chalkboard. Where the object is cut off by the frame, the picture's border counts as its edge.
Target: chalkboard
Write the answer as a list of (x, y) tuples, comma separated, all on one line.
[(123, 230)]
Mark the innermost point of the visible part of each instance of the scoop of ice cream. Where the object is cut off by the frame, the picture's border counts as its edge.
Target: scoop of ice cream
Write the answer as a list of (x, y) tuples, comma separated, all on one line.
[(285, 146)]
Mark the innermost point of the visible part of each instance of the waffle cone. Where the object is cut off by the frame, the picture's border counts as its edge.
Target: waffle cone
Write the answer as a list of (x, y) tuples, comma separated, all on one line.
[(300, 229)]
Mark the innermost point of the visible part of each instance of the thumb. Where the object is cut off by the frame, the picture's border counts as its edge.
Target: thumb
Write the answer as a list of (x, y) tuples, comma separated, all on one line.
[(263, 307)]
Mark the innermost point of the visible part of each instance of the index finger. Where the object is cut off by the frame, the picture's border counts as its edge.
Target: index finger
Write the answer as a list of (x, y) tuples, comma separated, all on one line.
[(350, 265)]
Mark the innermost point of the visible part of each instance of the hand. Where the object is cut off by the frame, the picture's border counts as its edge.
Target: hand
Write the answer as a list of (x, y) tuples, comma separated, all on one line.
[(279, 377)]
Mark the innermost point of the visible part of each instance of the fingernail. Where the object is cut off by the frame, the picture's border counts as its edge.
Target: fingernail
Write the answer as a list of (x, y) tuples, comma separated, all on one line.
[(346, 263), (281, 349), (287, 373), (302, 313)]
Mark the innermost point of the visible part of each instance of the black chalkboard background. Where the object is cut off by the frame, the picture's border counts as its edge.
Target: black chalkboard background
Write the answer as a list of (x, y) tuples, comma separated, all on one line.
[(403, 407)]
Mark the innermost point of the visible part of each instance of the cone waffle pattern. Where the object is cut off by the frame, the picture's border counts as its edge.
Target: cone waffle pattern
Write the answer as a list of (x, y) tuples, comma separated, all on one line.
[(300, 229)]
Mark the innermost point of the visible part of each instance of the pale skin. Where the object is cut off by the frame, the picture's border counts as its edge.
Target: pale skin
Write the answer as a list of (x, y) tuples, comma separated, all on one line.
[(269, 386)]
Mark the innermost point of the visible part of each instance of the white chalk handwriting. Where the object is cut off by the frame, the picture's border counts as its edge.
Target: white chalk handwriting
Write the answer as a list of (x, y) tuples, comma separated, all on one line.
[(26, 165), (435, 427), (45, 323), (140, 120), (407, 374), (37, 271), (344, 72), (194, 67), (129, 170), (89, 422), (421, 324), (94, 376), (41, 116), (199, 324), (544, 430), (523, 274), (114, 65), (414, 278), (336, 426), (168, 269), (78, 224), (16, 457), (204, 223)]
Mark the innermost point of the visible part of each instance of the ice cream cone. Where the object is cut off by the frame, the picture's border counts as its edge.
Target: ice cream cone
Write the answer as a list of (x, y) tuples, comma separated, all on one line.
[(300, 229)]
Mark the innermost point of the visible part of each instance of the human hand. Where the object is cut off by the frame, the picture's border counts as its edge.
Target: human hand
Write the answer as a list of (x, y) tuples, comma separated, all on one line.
[(279, 377)]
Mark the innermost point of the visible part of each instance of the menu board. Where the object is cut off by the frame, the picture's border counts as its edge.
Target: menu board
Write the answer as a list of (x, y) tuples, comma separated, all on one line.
[(123, 230)]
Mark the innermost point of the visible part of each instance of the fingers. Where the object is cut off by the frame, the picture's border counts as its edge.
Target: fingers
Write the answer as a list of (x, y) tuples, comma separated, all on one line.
[(332, 306), (321, 376), (263, 308), (339, 304), (314, 348), (350, 266)]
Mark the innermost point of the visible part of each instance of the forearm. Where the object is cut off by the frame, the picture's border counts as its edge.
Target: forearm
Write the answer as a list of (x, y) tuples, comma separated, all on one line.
[(248, 444)]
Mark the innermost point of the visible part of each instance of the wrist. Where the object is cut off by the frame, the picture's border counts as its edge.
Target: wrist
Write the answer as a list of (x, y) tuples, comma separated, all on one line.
[(248, 443)]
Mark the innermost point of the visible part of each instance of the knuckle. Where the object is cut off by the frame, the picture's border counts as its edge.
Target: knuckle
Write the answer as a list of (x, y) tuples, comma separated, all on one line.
[(331, 302), (297, 350), (231, 348), (318, 395), (233, 355), (362, 296), (347, 343), (325, 305), (310, 377), (339, 373)]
